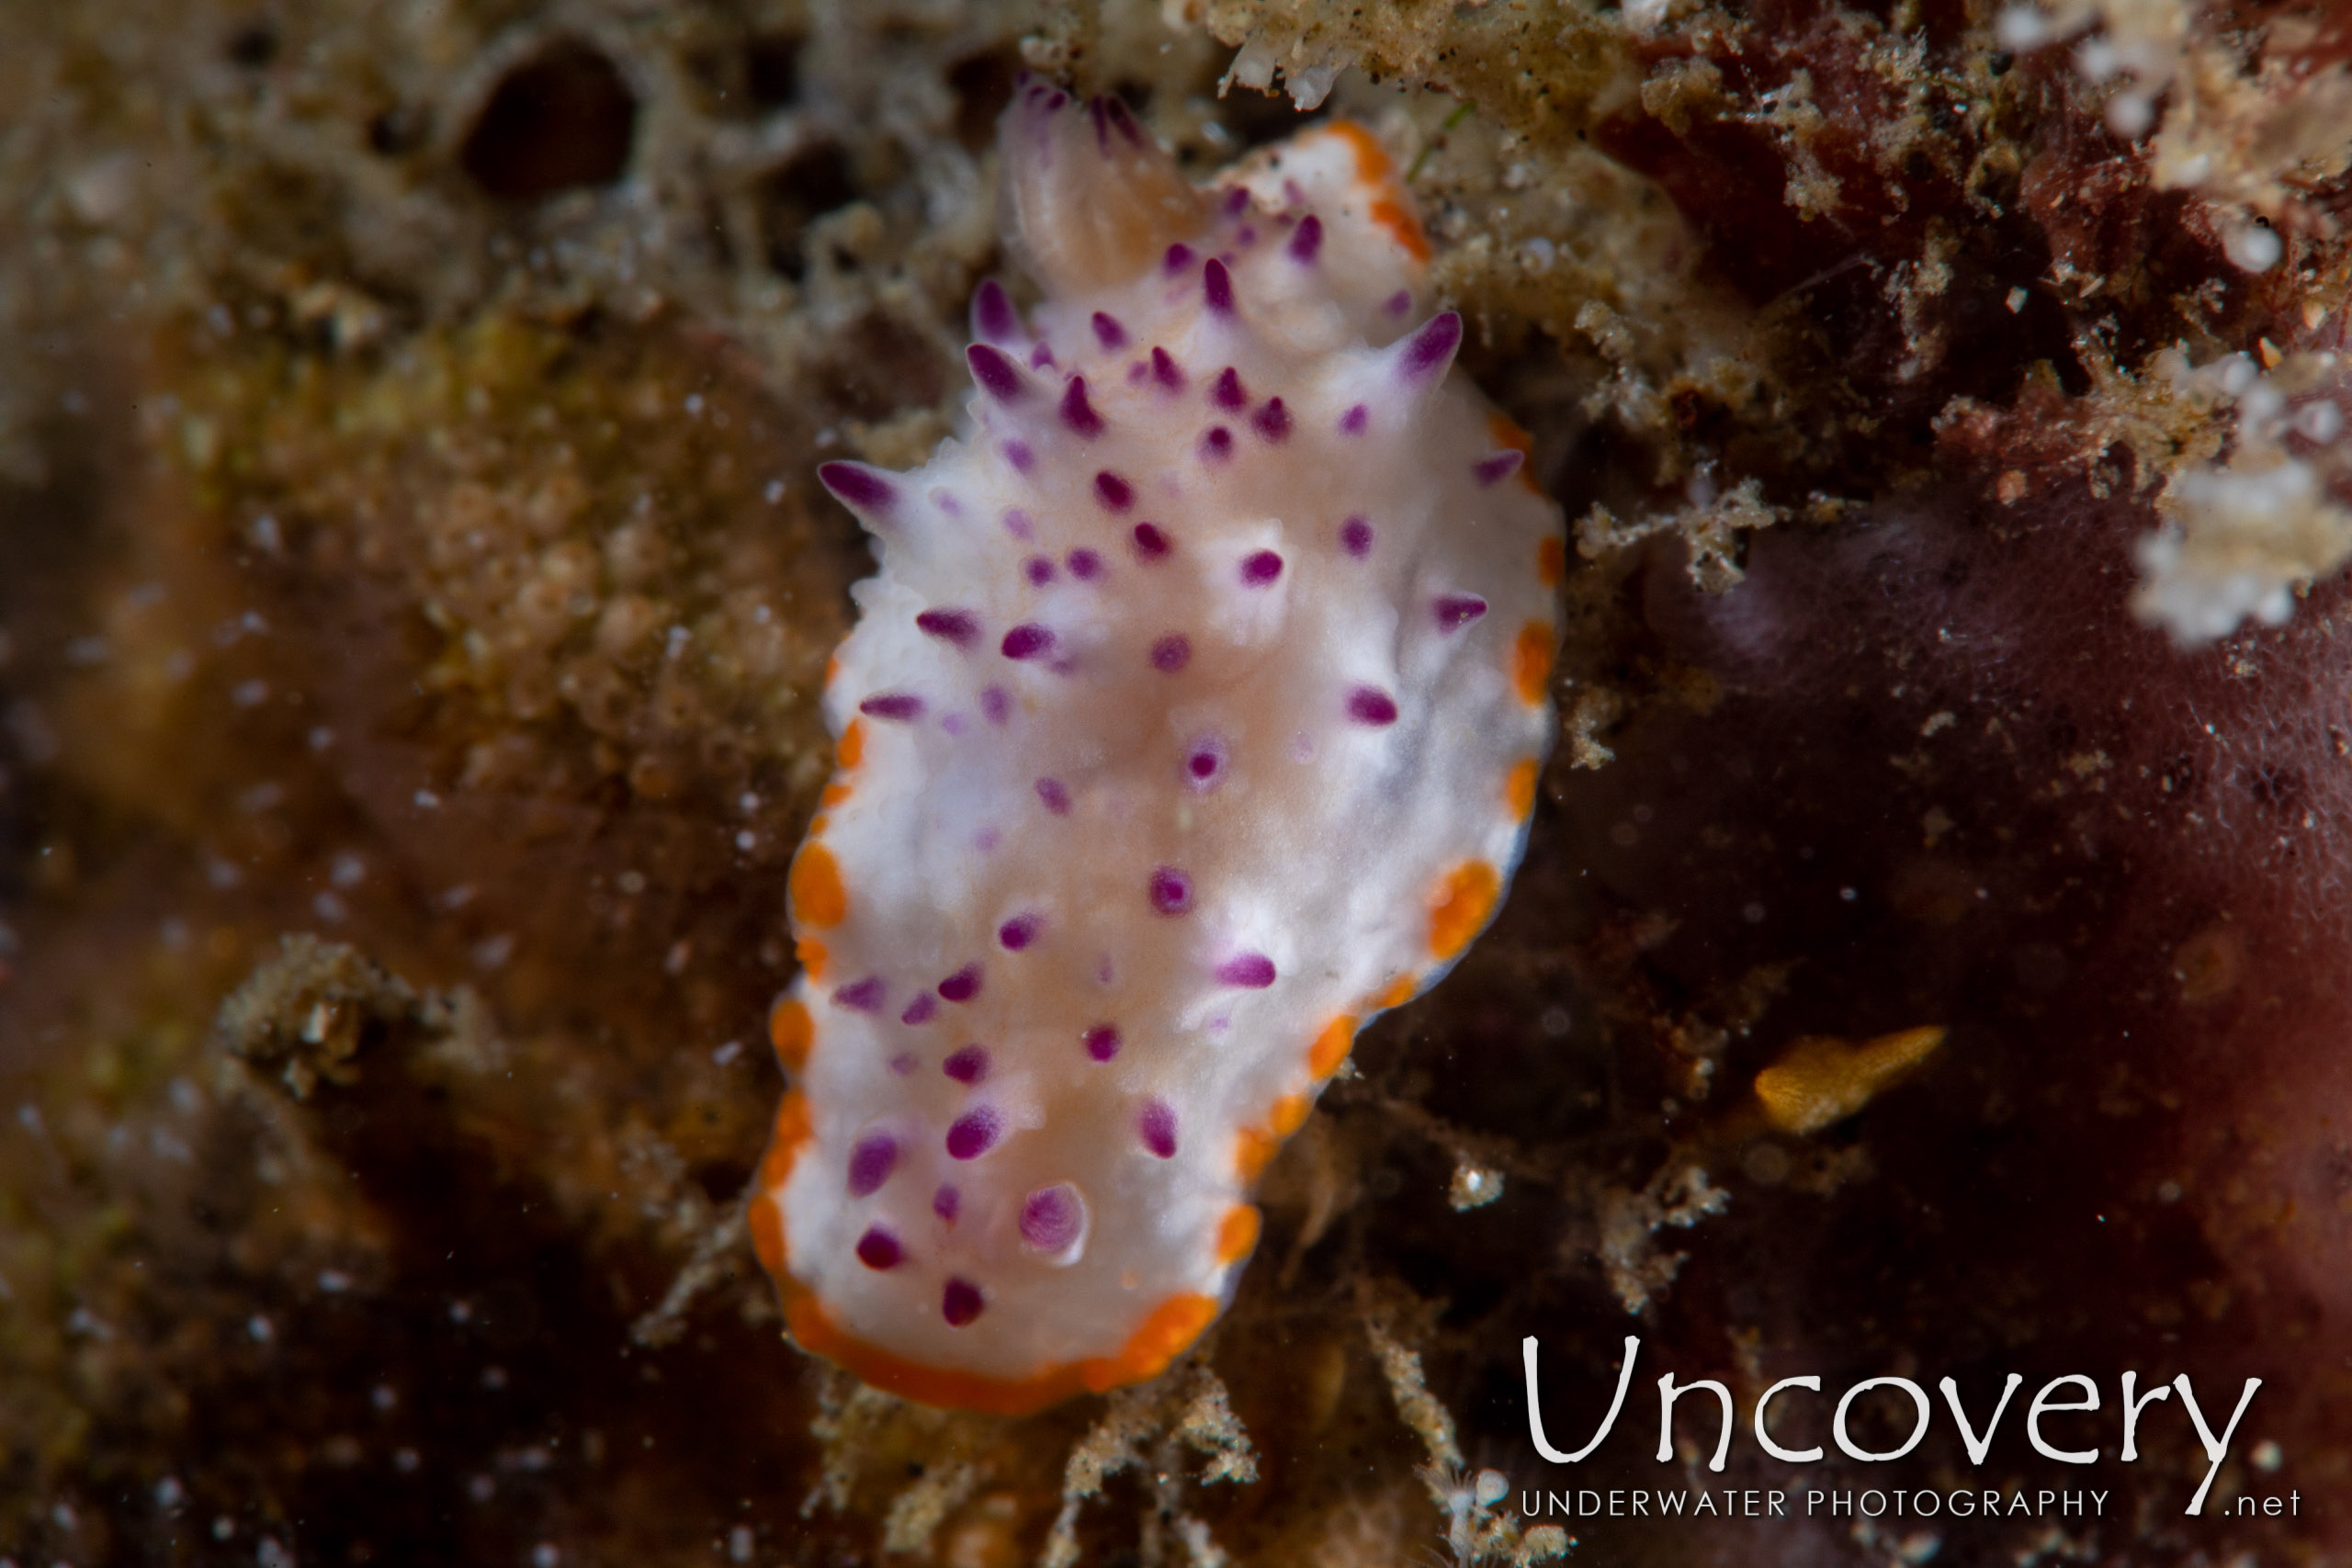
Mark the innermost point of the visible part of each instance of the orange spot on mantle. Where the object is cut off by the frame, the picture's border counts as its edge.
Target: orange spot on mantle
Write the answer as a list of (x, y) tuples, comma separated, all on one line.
[(793, 1033), (1253, 1149), (1236, 1233), (1531, 660), (819, 900), (1460, 903), (812, 955), (1519, 789), (1551, 562), (850, 749), (1378, 173), (1330, 1047)]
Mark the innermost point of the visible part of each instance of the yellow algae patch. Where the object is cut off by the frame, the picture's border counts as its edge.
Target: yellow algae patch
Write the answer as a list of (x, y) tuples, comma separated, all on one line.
[(1330, 1047), (1531, 660), (1236, 1233), (1821, 1080), (1519, 789), (819, 899), (1460, 903), (792, 1031)]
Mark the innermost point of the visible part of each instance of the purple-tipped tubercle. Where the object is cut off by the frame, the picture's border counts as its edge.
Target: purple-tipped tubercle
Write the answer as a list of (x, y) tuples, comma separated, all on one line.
[(859, 488), (1113, 491), (1216, 288), (1252, 971), (993, 318), (960, 627), (1077, 413), (1165, 371), (1431, 349), (1272, 422), (1307, 240), (1226, 391), (1108, 332), (995, 373)]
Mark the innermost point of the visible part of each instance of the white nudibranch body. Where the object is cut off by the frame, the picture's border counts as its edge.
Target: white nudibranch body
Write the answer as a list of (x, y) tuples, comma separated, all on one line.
[(1193, 718)]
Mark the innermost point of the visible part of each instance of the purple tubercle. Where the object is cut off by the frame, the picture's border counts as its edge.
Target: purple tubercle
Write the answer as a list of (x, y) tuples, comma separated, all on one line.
[(960, 627), (1172, 654), (1455, 610), (1260, 569), (1115, 494), (1051, 1217), (960, 1302), (994, 372), (947, 1202), (1305, 240), (1400, 302), (1352, 422), (1226, 391), (993, 318), (1370, 704), (1171, 890), (1272, 422), (1155, 1126), (859, 488), (1151, 542), (1108, 332), (1216, 288), (1431, 349), (1019, 933), (1084, 565), (1017, 453), (1205, 763), (1165, 371), (967, 1064), (871, 1160), (861, 996), (963, 985), (1237, 201), (877, 1248), (996, 703), (1056, 795), (1019, 524), (899, 706), (1122, 121), (1042, 357), (1495, 470), (1178, 257), (1216, 445), (1028, 640), (1355, 537), (918, 1010), (1102, 1041), (975, 1132), (1077, 413), (1038, 570), (902, 1063), (1252, 970)]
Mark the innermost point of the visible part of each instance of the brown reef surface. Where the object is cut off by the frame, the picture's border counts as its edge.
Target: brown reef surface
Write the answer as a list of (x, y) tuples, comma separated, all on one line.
[(1931, 959)]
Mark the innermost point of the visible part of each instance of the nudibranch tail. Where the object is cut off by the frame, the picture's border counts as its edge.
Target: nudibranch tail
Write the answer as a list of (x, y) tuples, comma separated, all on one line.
[(1194, 717)]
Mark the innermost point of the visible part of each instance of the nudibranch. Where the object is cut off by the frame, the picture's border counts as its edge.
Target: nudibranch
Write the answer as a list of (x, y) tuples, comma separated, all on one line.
[(1193, 718)]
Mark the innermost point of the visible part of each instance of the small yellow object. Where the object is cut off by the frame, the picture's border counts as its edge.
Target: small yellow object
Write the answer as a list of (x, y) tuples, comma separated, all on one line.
[(1821, 1080)]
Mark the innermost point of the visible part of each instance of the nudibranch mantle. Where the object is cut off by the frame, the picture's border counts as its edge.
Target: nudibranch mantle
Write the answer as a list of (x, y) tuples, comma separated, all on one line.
[(1193, 718)]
